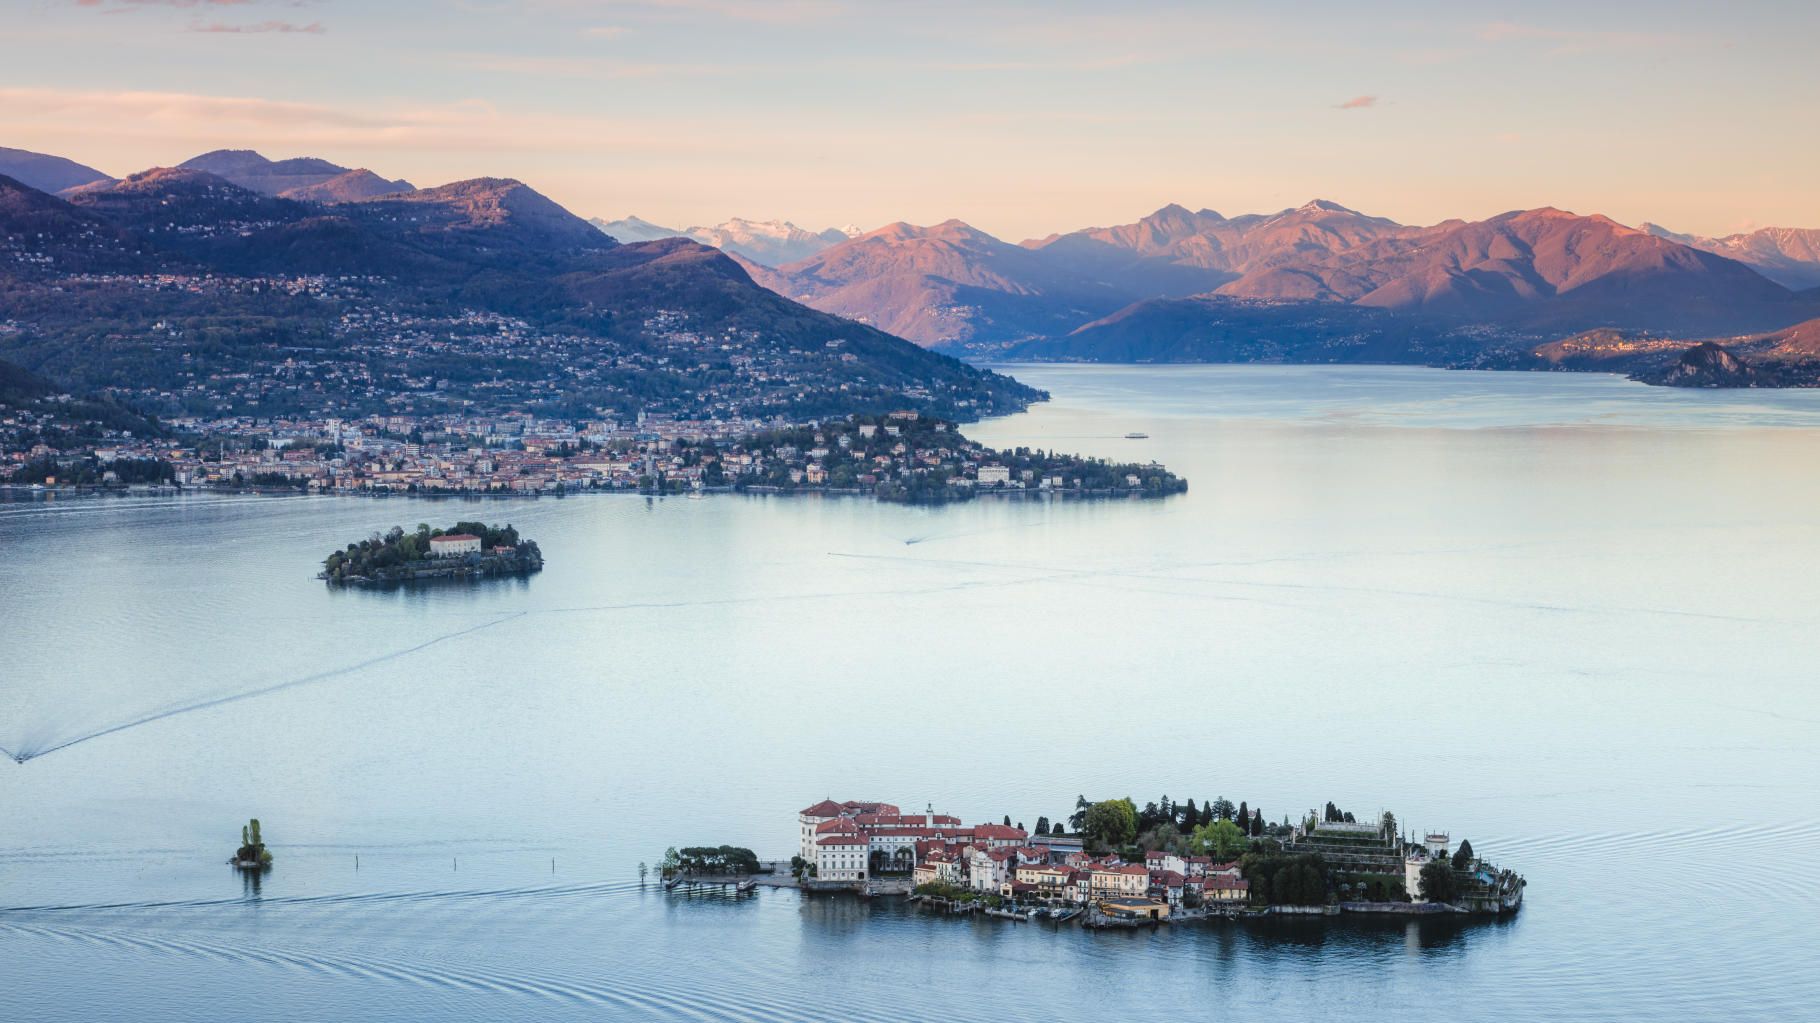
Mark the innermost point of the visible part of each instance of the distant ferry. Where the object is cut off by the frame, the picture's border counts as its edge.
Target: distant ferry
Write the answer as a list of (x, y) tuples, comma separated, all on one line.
[(1135, 435)]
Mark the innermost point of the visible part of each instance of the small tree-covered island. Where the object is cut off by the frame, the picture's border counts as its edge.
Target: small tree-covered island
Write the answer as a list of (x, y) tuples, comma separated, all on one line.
[(468, 550), (252, 854), (1114, 864)]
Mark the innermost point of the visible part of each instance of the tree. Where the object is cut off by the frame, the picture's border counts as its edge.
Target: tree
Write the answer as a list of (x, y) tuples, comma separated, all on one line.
[(1222, 808), (252, 846), (1223, 839), (1244, 817), (1298, 884), (1387, 825), (1436, 881), (1191, 816), (671, 861), (1462, 857), (1149, 816), (1042, 825), (1163, 837), (1007, 820), (1111, 823), (1078, 820), (643, 871)]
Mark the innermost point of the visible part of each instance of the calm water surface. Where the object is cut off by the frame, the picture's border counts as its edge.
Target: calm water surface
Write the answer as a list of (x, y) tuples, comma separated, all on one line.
[(1567, 617)]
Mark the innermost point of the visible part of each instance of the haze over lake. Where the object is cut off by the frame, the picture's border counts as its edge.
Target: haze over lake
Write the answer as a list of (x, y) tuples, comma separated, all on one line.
[(1569, 618)]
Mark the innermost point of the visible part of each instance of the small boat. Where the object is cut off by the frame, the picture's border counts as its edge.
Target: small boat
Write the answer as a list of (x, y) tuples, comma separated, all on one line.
[(671, 884), (746, 887), (1137, 435)]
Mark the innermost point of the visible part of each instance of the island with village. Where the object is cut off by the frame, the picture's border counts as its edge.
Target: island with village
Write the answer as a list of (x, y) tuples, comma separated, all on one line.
[(469, 551), (1117, 865)]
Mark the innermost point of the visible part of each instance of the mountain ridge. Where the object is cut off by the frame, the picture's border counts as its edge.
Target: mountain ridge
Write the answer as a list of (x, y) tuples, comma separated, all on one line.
[(45, 172), (769, 243), (301, 177)]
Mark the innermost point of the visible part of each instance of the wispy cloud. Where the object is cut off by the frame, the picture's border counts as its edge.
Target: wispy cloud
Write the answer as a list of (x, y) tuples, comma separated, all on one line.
[(600, 68), (1358, 103), (776, 11), (313, 28), (127, 5), (173, 121), (1562, 41)]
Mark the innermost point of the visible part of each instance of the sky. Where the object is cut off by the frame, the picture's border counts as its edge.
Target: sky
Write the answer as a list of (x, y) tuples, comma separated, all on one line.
[(1021, 118)]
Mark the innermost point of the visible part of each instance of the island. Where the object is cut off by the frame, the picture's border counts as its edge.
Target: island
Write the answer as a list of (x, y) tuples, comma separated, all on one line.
[(252, 854), (1113, 864), (468, 551)]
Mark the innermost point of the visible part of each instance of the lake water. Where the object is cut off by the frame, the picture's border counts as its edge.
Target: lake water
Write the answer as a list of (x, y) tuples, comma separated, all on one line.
[(1568, 617)]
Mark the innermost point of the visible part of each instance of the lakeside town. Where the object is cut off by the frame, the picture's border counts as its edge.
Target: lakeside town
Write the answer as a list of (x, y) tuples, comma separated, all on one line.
[(1114, 864), (903, 455)]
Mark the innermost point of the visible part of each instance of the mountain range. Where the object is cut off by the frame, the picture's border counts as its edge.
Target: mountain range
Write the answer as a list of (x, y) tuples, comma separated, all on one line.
[(1179, 271), (149, 286), (1790, 256), (1316, 282), (764, 242)]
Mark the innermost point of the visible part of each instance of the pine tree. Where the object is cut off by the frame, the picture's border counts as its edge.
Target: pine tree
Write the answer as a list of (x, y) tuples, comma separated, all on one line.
[(1042, 825), (1462, 857), (1191, 817)]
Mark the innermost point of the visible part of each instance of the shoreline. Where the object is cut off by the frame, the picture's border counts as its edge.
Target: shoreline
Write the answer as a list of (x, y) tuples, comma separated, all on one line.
[(15, 491)]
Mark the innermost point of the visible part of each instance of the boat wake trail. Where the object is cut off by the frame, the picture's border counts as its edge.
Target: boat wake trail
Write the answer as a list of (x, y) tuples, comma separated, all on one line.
[(23, 755)]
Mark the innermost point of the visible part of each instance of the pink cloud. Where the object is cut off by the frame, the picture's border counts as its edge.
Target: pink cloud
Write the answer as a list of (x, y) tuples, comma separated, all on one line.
[(313, 28), (1358, 103)]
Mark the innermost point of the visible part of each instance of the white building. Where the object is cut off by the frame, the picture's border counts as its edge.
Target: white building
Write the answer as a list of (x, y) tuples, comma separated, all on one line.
[(454, 545), (810, 819), (989, 869), (841, 858), (994, 474), (1433, 847)]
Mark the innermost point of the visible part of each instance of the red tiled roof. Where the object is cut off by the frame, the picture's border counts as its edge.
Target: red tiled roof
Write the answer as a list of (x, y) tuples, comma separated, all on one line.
[(452, 537), (998, 831), (842, 840), (825, 808)]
